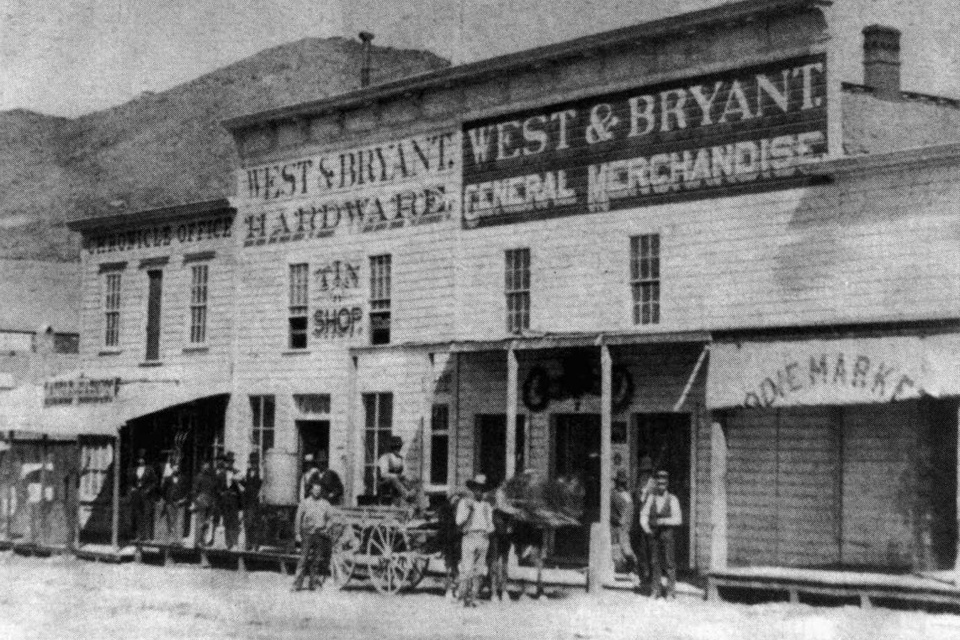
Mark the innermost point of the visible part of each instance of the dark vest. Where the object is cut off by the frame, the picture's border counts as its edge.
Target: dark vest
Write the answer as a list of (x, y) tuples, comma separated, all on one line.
[(663, 512)]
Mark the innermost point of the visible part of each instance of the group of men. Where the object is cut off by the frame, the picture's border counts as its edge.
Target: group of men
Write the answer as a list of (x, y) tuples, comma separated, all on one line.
[(644, 524), (219, 494)]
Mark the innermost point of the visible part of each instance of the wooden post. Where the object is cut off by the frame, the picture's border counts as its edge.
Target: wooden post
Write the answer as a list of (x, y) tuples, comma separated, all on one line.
[(718, 491), (601, 560), (956, 564), (115, 515), (513, 369), (354, 470)]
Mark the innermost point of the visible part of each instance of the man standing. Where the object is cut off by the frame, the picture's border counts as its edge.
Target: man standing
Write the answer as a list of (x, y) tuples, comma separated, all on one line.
[(143, 486), (621, 517), (660, 518), (640, 541), (475, 519), (204, 503), (229, 500), (312, 527), (176, 495), (328, 479), (391, 486), (251, 485)]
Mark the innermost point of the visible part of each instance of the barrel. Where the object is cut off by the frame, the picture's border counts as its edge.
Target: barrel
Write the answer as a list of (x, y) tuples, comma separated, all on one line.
[(280, 477)]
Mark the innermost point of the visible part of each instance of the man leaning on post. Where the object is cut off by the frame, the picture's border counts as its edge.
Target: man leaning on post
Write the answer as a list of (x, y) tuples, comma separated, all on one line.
[(312, 527)]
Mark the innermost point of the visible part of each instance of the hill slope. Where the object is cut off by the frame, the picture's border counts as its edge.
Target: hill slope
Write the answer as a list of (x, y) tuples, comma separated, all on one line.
[(164, 148)]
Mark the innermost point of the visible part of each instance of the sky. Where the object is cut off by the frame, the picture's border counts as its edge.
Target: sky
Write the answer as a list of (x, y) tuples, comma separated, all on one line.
[(69, 57)]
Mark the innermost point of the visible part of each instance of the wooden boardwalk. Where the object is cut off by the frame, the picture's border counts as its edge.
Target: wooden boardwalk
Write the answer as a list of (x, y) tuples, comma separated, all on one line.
[(868, 588)]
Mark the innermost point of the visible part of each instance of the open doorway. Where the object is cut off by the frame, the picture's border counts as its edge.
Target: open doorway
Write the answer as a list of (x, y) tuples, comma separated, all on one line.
[(491, 447), (576, 454), (665, 438), (314, 438)]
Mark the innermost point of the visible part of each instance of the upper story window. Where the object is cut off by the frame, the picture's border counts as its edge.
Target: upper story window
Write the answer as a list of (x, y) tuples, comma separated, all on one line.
[(111, 309), (198, 303), (298, 306), (645, 278), (517, 289), (380, 299)]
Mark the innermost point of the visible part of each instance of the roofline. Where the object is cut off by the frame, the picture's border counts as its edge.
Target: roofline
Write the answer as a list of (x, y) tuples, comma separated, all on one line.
[(172, 212), (735, 12), (930, 155)]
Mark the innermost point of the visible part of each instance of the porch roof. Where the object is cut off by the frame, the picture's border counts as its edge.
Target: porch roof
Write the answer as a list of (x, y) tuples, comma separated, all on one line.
[(573, 340)]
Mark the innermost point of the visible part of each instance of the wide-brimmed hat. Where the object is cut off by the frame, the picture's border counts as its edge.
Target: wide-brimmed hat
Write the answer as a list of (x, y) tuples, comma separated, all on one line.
[(663, 475), (477, 482), (396, 442)]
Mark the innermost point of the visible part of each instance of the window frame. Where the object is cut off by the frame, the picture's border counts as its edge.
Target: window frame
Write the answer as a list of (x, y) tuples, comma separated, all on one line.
[(516, 289), (436, 434), (380, 430), (645, 279), (298, 306), (112, 308), (197, 333), (260, 426), (381, 293)]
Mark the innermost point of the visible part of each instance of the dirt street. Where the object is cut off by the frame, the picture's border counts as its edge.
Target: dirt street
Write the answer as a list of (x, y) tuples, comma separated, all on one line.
[(63, 598)]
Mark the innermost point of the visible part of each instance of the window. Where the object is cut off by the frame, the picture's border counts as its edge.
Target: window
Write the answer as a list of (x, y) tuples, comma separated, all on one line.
[(380, 299), (261, 435), (298, 306), (517, 289), (198, 304), (66, 343), (111, 307), (439, 444), (154, 298), (645, 278), (378, 427)]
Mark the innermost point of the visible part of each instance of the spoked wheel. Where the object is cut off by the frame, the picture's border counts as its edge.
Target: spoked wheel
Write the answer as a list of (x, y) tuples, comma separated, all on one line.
[(388, 551), (343, 562)]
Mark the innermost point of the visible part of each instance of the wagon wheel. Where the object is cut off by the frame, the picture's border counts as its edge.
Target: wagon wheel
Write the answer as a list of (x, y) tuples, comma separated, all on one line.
[(343, 562), (389, 554)]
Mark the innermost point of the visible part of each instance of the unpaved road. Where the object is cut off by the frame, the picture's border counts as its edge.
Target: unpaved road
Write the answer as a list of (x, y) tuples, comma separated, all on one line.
[(64, 599)]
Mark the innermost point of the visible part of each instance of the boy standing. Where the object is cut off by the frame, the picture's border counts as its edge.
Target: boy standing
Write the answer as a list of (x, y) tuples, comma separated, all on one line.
[(475, 519), (312, 524)]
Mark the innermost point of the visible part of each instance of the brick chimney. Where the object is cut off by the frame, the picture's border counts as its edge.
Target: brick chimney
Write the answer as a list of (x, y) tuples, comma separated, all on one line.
[(881, 61)]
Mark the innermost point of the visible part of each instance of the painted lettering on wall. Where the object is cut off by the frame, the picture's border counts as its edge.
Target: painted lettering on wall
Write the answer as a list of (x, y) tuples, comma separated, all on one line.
[(338, 322), (162, 235), (337, 279), (80, 390), (337, 299), (393, 162), (838, 372), (719, 134)]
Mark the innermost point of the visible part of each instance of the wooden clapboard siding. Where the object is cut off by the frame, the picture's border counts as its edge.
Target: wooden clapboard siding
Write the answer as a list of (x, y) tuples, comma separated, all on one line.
[(879, 442), (800, 256), (782, 485)]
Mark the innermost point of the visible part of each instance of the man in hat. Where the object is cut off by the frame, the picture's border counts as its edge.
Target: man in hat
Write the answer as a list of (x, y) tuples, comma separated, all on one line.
[(621, 517), (251, 485), (475, 520), (309, 475), (660, 518), (142, 481), (391, 485), (312, 524), (228, 502)]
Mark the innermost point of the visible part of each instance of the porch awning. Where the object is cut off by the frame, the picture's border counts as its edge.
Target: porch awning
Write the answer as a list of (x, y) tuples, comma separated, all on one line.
[(832, 372), (100, 402)]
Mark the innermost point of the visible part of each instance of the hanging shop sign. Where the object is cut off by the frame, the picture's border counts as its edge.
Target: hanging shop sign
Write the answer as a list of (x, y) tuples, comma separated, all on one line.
[(719, 134), (80, 391), (338, 308), (374, 188)]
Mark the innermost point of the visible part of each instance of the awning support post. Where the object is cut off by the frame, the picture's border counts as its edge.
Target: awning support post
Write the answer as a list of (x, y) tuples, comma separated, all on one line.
[(513, 370), (601, 569), (956, 564), (718, 497), (115, 514)]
